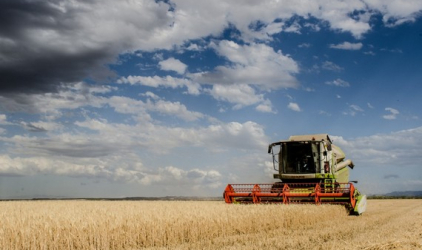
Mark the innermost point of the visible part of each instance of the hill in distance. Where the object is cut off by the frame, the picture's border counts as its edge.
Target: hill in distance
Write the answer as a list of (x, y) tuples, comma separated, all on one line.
[(404, 193)]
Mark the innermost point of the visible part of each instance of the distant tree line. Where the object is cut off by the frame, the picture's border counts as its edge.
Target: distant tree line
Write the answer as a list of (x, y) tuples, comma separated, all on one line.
[(381, 197)]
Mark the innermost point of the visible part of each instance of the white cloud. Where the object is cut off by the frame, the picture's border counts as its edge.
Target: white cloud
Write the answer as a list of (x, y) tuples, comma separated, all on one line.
[(294, 28), (265, 107), (194, 47), (274, 28), (370, 53), (114, 169), (100, 31), (248, 135), (304, 45), (396, 12), (67, 98), (255, 64), (173, 65), (254, 68), (41, 126), (150, 95), (356, 108), (327, 65), (347, 46), (168, 81), (294, 106), (312, 26), (3, 119), (398, 149), (127, 105), (101, 149), (338, 15), (338, 82), (53, 105), (240, 94), (392, 115), (108, 139), (173, 108)]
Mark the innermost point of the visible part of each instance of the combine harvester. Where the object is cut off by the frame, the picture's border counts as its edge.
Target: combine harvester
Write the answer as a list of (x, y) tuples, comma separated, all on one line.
[(311, 170)]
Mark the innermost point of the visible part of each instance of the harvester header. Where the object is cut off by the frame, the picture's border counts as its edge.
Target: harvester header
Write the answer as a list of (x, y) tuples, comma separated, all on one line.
[(310, 169)]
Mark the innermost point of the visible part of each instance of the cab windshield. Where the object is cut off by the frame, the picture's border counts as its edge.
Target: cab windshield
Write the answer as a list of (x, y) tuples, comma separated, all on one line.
[(300, 157)]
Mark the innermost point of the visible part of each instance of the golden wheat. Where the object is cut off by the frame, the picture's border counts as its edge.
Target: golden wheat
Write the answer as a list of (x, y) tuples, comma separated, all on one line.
[(189, 225)]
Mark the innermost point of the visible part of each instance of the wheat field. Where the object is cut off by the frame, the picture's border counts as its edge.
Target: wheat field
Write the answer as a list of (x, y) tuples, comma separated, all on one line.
[(81, 224)]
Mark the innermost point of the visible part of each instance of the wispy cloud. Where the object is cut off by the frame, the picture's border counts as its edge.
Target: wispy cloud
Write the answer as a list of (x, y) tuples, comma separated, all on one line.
[(392, 114), (347, 46), (327, 65), (339, 83)]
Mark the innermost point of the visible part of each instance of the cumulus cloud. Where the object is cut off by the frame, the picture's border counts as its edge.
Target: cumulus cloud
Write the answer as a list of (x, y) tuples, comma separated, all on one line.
[(240, 94), (396, 12), (45, 44), (127, 105), (68, 97), (253, 68), (255, 64), (167, 81), (49, 43), (53, 105), (117, 169), (173, 65), (103, 138), (347, 46), (294, 106), (174, 108), (248, 135), (265, 107), (105, 150), (398, 149)]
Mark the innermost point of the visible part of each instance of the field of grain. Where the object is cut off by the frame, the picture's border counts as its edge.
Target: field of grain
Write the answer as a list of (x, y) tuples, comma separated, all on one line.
[(387, 224)]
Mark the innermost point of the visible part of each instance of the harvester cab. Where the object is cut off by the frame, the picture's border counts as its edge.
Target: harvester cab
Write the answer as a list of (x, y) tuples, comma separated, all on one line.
[(309, 159), (311, 169)]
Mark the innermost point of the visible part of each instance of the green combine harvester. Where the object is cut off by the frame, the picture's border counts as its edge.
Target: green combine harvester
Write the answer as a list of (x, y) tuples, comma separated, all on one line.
[(311, 169)]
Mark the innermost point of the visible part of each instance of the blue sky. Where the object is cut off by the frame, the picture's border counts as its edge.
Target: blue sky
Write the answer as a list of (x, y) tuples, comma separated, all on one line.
[(157, 98)]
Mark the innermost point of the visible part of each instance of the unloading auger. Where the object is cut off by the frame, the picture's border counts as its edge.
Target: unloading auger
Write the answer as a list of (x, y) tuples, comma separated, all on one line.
[(311, 169)]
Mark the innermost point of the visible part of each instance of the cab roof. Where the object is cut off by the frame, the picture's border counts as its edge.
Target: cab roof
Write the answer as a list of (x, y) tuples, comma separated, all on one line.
[(314, 137)]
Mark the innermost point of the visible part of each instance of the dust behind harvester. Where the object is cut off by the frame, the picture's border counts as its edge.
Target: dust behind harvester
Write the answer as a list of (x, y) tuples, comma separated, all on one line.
[(311, 169)]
